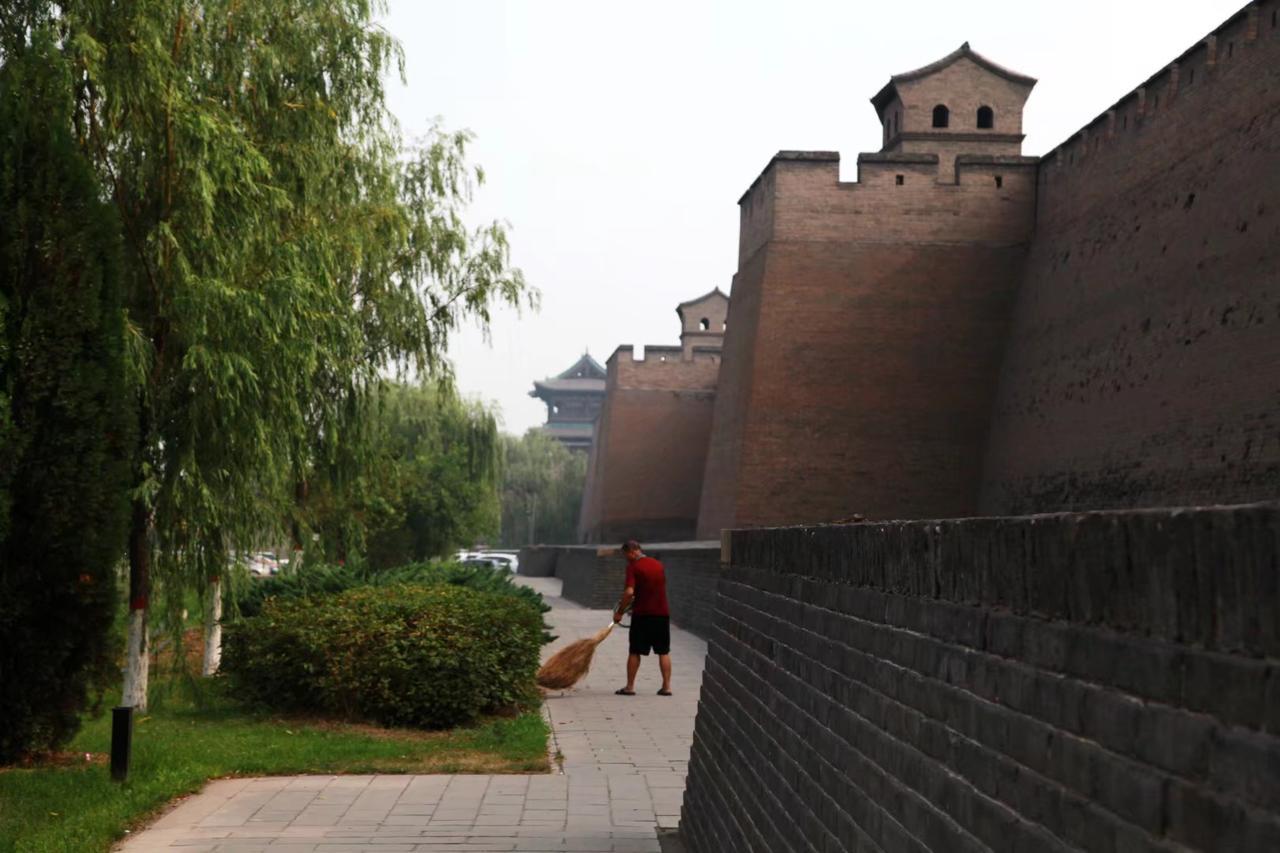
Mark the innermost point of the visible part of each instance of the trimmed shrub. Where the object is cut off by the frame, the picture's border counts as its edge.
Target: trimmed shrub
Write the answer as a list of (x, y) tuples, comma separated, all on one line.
[(399, 654), (323, 578)]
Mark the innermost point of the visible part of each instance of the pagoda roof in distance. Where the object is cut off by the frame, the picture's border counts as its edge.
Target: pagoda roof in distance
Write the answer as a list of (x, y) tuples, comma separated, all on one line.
[(584, 376)]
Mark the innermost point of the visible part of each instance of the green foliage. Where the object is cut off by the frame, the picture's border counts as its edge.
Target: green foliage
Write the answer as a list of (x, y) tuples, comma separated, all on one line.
[(180, 744), (65, 430), (542, 483), (327, 579), (429, 656), (283, 249), (428, 484)]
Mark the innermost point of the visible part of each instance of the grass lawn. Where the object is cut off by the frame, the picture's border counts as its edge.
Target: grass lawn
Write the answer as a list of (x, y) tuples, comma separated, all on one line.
[(73, 806)]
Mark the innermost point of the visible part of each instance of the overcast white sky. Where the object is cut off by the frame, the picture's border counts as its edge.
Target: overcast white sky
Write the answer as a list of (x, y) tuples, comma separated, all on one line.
[(617, 137)]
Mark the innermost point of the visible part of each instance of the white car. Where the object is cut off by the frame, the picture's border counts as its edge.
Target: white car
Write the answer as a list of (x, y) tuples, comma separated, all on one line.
[(262, 564), (507, 561)]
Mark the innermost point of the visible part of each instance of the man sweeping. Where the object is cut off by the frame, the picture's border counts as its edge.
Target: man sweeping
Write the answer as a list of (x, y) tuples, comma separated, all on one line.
[(646, 587)]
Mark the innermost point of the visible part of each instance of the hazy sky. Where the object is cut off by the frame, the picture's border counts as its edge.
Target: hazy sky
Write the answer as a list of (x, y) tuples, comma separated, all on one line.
[(617, 137)]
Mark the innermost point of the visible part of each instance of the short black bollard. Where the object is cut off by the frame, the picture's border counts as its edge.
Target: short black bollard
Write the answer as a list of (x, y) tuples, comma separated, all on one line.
[(121, 741)]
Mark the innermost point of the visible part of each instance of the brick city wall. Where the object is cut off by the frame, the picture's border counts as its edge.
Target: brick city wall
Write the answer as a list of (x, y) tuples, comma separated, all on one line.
[(693, 570), (1102, 681), (864, 339), (1143, 368), (538, 561), (594, 577), (591, 576), (645, 474)]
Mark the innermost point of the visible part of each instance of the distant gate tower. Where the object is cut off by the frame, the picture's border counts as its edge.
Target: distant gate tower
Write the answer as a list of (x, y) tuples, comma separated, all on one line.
[(573, 400)]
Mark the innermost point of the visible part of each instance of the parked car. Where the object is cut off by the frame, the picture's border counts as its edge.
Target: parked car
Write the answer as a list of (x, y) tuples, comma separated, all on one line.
[(261, 563), (507, 561)]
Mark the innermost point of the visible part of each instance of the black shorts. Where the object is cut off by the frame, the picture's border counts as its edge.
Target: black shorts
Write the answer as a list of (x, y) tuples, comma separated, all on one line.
[(650, 632)]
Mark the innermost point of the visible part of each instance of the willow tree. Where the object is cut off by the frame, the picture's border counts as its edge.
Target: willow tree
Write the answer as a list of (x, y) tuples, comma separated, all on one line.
[(282, 248)]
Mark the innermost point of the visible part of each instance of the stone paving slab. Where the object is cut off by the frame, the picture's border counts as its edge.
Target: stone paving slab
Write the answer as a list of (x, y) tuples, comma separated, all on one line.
[(619, 778)]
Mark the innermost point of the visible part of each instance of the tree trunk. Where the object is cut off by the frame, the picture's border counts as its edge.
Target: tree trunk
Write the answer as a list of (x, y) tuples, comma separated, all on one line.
[(213, 628), (138, 660)]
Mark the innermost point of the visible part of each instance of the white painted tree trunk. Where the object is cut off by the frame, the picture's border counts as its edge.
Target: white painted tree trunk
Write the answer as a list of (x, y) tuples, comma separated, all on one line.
[(213, 628), (137, 662)]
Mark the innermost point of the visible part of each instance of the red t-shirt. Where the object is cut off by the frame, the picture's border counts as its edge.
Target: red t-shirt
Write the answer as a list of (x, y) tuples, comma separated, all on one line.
[(647, 577)]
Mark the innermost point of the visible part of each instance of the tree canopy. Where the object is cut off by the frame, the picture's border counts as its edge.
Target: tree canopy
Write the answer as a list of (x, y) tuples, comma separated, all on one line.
[(65, 424), (283, 248), (542, 485)]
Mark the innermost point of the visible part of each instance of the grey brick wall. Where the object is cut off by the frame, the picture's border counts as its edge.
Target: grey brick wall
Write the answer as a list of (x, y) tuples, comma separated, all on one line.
[(692, 574), (592, 576), (538, 561), (594, 579), (1099, 681)]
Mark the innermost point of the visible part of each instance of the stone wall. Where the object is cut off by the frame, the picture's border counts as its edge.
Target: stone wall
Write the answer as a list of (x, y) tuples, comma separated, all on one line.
[(693, 570), (538, 561), (594, 577), (591, 576), (1102, 681), (1143, 367)]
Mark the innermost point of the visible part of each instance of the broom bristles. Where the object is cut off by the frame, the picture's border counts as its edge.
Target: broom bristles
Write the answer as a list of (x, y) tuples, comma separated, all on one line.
[(567, 667)]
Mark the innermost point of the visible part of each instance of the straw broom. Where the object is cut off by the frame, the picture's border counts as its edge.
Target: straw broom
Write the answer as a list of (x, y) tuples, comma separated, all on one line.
[(567, 667)]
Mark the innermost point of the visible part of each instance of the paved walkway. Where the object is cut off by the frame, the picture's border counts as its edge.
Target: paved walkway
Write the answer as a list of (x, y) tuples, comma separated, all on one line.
[(623, 758)]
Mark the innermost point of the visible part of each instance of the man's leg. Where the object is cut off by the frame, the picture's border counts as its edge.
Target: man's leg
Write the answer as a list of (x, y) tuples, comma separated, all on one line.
[(664, 664), (633, 666)]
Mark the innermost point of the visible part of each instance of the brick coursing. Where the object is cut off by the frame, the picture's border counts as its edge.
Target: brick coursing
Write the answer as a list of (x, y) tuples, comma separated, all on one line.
[(1097, 329), (644, 475), (538, 561), (595, 579), (1100, 681), (590, 578), (1143, 363), (692, 575)]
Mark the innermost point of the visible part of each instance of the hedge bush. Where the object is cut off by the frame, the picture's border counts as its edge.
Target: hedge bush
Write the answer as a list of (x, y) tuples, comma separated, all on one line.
[(398, 654), (322, 578)]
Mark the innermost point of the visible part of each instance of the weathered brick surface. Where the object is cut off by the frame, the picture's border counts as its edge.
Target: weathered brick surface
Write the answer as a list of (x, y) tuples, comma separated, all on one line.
[(862, 347), (593, 577), (693, 571), (644, 476), (1143, 366), (1102, 681), (1094, 330), (538, 561)]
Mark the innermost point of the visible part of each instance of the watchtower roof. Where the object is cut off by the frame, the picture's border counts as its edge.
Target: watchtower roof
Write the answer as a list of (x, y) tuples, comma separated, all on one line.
[(890, 90), (714, 293)]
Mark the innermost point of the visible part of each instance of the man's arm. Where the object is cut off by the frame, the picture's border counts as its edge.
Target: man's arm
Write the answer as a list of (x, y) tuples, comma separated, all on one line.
[(628, 596)]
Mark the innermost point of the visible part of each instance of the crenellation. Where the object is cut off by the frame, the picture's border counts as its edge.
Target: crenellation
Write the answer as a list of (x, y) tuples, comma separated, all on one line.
[(949, 264), (644, 475)]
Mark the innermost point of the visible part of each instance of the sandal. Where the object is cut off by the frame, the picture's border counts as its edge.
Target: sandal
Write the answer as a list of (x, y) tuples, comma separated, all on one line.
[(622, 691), (664, 692)]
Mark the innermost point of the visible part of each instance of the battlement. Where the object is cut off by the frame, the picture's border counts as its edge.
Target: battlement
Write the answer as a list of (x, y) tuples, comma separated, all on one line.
[(1244, 42), (897, 197)]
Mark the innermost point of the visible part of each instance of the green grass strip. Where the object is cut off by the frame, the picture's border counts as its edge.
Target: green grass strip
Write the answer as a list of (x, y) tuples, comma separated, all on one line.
[(73, 805)]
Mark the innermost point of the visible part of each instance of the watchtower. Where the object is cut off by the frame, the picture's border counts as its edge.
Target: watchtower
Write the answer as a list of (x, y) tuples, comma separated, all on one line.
[(962, 104), (702, 322)]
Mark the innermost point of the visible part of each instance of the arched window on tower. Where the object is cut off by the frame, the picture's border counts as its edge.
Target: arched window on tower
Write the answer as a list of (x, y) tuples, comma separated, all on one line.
[(941, 116), (704, 324), (986, 118)]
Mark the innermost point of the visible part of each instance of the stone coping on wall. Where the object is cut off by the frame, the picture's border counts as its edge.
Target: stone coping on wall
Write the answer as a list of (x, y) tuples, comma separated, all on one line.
[(1075, 681), (1203, 575)]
